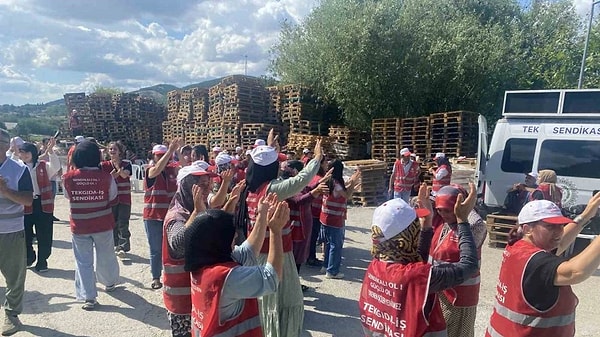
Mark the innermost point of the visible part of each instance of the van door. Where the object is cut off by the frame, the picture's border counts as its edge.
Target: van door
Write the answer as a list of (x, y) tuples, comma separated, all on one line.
[(482, 150)]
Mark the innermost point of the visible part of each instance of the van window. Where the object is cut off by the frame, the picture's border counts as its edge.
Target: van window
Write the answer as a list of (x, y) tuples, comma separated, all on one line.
[(571, 158), (581, 102), (532, 102), (518, 155)]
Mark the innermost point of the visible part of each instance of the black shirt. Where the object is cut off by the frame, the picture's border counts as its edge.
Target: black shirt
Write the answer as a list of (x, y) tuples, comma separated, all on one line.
[(538, 280)]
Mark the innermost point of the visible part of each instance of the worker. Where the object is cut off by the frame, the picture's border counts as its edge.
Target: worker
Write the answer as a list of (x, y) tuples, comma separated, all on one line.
[(442, 175), (533, 293), (405, 176), (547, 188)]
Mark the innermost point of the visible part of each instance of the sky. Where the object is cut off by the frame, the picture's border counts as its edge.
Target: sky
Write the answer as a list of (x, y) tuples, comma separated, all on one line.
[(49, 47)]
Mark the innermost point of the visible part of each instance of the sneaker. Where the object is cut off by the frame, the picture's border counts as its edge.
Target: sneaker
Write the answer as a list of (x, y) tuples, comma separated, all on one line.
[(41, 269), (11, 325), (121, 254), (323, 270), (336, 276), (89, 305), (111, 288), (304, 287)]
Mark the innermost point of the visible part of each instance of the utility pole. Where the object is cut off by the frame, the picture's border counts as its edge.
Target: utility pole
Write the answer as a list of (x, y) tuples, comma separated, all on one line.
[(587, 42), (245, 65)]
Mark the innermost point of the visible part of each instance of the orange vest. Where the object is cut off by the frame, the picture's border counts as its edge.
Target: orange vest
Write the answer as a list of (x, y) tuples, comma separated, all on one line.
[(513, 316), (333, 210), (447, 250), (207, 284), (404, 181), (437, 184), (176, 292), (91, 209), (45, 187), (158, 197), (252, 204), (393, 298), (123, 184)]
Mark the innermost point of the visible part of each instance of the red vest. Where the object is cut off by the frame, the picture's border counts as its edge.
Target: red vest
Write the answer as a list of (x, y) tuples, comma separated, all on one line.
[(207, 285), (467, 293), (437, 184), (404, 181), (123, 184), (70, 158), (158, 197), (176, 292), (545, 189), (91, 209), (333, 210), (317, 202), (513, 316), (393, 299), (296, 221), (45, 187), (252, 204)]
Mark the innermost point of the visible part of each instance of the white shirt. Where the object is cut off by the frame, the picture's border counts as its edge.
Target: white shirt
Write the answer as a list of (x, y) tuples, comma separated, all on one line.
[(52, 167)]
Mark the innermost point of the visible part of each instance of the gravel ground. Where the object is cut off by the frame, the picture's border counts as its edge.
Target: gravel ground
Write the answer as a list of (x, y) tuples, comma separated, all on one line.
[(331, 307)]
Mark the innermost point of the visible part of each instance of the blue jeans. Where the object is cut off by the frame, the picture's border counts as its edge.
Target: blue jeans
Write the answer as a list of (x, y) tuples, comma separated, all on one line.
[(154, 233), (107, 267), (334, 240), (402, 195)]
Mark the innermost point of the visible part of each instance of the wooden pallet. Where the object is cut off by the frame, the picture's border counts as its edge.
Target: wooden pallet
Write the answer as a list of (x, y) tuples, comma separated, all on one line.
[(498, 227)]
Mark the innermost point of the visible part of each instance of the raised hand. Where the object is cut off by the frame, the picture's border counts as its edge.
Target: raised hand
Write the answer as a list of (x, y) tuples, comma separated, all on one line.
[(174, 145), (326, 177), (463, 206), (318, 151), (227, 175), (199, 200), (423, 201), (279, 218)]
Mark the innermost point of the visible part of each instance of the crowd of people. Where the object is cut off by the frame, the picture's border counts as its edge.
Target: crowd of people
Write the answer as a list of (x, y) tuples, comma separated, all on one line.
[(228, 233)]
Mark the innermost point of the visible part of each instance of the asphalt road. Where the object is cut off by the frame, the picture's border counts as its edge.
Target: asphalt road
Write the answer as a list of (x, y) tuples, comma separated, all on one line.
[(331, 307)]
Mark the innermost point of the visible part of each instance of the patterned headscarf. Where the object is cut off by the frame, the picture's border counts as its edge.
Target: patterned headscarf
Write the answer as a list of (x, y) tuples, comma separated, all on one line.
[(402, 248), (549, 177)]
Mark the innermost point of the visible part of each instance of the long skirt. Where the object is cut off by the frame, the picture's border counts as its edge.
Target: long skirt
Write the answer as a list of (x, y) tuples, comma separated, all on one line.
[(460, 321), (282, 313)]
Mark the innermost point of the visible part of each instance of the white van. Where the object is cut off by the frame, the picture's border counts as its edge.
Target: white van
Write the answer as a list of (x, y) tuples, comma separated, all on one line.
[(543, 129)]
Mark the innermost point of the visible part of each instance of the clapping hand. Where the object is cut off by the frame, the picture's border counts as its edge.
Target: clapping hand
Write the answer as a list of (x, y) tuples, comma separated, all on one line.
[(463, 206), (279, 217), (199, 200), (423, 201), (326, 177)]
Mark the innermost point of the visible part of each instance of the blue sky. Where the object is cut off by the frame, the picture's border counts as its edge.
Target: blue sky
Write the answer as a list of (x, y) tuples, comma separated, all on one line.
[(51, 47)]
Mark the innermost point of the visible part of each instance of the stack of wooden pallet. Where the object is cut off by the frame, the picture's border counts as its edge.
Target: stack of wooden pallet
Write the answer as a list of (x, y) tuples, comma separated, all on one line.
[(303, 112), (373, 189), (126, 117), (414, 135), (187, 114), (76, 101), (298, 142), (453, 133), (498, 227), (348, 144), (385, 133)]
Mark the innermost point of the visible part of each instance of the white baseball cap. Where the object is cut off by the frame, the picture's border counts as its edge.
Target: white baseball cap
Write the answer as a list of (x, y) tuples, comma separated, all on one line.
[(533, 174), (159, 149), (404, 152), (17, 142), (439, 155), (217, 149), (197, 168), (237, 148), (223, 158), (259, 142), (394, 216), (305, 151), (542, 210), (79, 139), (264, 155)]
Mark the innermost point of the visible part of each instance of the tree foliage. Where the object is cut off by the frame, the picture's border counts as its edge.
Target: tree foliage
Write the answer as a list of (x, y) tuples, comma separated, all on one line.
[(381, 58)]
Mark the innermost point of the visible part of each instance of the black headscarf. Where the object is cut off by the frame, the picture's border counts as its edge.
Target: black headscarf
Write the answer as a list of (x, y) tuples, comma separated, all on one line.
[(200, 152), (337, 175), (444, 161), (208, 240), (256, 175), (86, 154)]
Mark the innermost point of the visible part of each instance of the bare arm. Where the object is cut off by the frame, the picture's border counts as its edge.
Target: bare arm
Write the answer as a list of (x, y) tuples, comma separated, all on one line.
[(24, 198), (220, 197), (573, 229), (580, 267), (155, 170)]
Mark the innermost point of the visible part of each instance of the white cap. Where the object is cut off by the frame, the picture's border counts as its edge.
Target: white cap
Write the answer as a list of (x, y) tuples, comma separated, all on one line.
[(394, 216), (79, 139), (263, 155), (259, 142), (248, 152), (237, 148), (404, 152), (74, 110), (533, 174), (222, 158), (545, 210), (217, 149), (197, 168), (305, 151), (439, 155), (159, 149), (17, 142)]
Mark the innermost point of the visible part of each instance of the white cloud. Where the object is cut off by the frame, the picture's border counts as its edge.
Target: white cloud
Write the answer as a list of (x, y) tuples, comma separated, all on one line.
[(48, 48)]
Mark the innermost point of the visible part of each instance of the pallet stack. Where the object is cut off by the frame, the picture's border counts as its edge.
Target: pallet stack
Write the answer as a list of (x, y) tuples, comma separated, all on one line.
[(187, 116), (348, 144), (454, 133), (498, 227), (298, 142), (372, 190), (414, 135), (77, 101), (125, 117), (385, 133)]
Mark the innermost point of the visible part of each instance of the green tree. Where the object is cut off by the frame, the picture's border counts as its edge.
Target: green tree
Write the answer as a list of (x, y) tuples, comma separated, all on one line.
[(100, 90)]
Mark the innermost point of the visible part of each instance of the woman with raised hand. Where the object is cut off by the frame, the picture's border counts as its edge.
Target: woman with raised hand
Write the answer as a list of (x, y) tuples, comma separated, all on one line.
[(399, 291), (533, 293)]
